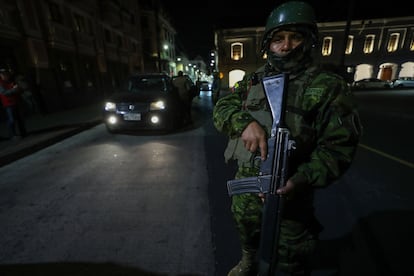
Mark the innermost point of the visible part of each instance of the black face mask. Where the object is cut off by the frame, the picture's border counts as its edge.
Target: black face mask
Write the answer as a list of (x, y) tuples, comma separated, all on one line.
[(299, 58)]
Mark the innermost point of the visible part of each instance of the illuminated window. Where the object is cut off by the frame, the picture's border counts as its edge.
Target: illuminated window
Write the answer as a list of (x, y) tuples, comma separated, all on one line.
[(393, 42), (236, 51), (369, 44), (412, 42), (327, 46), (349, 45)]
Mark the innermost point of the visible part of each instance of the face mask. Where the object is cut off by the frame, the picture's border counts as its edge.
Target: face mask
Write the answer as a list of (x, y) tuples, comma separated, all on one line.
[(296, 60)]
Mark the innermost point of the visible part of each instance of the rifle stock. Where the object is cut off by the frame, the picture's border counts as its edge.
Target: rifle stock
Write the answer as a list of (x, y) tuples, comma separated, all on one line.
[(272, 175)]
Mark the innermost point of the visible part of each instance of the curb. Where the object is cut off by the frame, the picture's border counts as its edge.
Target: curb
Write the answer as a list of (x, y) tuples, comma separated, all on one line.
[(44, 141)]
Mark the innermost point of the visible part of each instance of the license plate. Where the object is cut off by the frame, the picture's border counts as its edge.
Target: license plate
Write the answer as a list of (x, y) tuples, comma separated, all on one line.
[(132, 117)]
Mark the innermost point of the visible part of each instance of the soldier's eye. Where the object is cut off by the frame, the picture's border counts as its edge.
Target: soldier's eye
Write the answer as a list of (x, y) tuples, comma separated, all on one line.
[(277, 39), (297, 36)]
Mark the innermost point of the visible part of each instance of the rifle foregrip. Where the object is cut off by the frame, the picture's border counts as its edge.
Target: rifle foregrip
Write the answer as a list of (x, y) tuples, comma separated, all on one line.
[(254, 184)]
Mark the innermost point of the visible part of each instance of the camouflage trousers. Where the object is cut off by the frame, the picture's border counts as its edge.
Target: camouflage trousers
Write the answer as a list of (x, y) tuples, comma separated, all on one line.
[(296, 242)]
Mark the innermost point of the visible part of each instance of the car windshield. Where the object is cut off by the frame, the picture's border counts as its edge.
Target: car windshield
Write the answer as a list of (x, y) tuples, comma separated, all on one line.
[(146, 84)]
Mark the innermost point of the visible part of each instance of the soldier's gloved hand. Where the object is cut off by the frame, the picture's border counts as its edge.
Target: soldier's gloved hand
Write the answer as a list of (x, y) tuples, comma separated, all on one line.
[(254, 138)]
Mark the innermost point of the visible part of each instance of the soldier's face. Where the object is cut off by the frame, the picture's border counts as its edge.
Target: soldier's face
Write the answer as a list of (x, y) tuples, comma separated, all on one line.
[(283, 42)]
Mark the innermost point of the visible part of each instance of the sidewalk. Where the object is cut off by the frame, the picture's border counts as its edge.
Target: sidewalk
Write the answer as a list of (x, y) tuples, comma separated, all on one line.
[(45, 130)]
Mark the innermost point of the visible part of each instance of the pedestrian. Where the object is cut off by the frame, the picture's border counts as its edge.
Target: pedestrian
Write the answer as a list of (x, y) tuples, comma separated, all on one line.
[(216, 87), (324, 124), (184, 86), (10, 96)]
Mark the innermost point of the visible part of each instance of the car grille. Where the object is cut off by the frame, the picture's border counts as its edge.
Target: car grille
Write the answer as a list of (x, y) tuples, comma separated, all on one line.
[(132, 107)]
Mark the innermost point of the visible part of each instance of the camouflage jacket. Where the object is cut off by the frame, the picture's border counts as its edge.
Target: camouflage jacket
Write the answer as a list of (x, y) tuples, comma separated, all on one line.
[(321, 116)]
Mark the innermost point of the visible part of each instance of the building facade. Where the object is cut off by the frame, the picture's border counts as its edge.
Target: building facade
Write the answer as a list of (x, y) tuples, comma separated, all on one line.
[(74, 52), (380, 48)]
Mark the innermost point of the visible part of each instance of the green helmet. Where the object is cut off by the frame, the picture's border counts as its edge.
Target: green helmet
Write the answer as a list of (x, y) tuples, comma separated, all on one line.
[(291, 14)]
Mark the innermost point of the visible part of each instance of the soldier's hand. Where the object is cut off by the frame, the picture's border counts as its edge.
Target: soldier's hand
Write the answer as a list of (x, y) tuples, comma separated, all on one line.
[(262, 197), (288, 190), (292, 188), (254, 138)]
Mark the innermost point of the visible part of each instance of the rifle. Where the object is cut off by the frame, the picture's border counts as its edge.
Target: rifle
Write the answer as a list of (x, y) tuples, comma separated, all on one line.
[(272, 175)]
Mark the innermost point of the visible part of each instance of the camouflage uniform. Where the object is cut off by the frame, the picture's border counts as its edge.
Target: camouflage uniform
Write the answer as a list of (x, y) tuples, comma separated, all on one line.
[(323, 121), (322, 118)]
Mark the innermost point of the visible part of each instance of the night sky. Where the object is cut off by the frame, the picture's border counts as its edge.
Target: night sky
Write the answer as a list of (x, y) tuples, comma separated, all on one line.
[(195, 24)]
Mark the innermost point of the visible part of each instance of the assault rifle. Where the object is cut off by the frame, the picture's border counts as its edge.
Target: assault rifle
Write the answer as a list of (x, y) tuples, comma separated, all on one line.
[(272, 175)]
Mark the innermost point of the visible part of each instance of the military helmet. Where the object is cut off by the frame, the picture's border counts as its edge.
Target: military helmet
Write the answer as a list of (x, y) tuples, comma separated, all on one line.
[(292, 13)]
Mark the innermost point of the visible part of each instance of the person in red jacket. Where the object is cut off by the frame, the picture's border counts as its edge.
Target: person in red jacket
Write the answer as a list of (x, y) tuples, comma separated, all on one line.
[(10, 97)]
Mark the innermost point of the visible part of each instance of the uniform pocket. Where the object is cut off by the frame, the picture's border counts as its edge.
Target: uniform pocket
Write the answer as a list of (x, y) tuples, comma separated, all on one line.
[(235, 150)]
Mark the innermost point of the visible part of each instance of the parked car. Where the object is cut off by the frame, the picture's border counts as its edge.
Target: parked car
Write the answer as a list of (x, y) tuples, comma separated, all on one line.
[(370, 83), (145, 101), (403, 82)]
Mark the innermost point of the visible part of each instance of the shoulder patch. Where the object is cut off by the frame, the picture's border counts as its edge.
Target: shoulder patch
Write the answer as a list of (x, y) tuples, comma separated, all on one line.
[(314, 90), (314, 94)]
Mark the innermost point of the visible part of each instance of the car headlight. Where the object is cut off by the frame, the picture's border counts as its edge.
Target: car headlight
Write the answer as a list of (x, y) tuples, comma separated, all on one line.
[(158, 105), (110, 106)]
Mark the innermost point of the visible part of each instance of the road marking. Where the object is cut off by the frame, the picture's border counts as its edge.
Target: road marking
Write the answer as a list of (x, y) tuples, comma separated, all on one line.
[(406, 163)]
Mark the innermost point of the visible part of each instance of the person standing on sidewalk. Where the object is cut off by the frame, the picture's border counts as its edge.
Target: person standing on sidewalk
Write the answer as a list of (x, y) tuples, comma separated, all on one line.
[(10, 96), (183, 84), (323, 120)]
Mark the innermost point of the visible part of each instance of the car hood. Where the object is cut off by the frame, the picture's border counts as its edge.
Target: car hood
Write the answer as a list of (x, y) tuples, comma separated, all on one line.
[(138, 97)]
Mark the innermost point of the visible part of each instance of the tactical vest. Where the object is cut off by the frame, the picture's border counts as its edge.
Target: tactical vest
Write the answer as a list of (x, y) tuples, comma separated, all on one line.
[(301, 109)]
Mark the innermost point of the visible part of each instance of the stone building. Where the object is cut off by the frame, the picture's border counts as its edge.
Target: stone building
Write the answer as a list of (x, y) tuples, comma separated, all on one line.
[(75, 52), (380, 48)]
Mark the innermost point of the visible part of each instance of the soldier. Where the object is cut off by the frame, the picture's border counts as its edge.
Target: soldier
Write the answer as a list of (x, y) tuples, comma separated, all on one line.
[(324, 124)]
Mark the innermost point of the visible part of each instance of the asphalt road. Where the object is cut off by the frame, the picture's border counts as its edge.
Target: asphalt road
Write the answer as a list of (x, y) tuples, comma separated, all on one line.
[(101, 204)]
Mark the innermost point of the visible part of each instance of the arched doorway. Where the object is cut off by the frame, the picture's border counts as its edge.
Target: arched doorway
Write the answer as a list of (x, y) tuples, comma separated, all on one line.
[(235, 76)]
